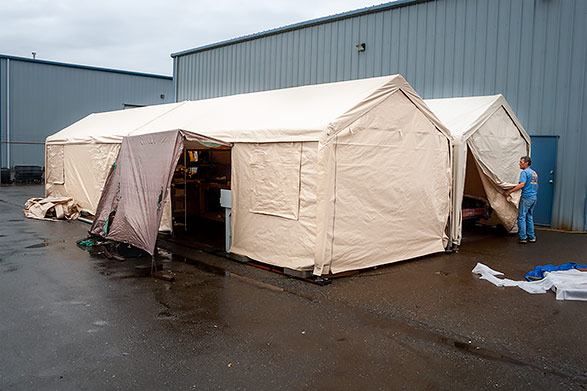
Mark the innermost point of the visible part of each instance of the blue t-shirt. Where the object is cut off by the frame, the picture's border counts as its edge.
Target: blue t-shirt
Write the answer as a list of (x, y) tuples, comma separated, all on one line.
[(530, 178)]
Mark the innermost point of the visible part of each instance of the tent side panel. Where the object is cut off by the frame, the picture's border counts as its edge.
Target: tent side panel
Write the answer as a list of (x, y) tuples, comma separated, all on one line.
[(276, 179), (54, 173), (166, 220), (392, 189), (505, 209), (459, 157), (86, 167), (286, 240), (54, 170), (498, 146)]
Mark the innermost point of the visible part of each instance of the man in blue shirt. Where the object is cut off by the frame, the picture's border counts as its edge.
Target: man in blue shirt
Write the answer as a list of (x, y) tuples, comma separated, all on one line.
[(529, 185)]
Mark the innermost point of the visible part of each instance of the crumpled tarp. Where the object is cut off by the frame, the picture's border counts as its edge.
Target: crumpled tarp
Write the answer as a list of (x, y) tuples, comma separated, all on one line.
[(568, 284), (51, 208), (539, 271)]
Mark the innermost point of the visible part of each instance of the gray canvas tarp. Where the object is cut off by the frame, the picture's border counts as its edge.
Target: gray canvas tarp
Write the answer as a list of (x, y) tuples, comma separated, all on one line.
[(137, 186)]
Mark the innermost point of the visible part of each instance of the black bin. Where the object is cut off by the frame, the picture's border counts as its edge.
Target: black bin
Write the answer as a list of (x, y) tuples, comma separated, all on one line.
[(28, 174), (5, 175)]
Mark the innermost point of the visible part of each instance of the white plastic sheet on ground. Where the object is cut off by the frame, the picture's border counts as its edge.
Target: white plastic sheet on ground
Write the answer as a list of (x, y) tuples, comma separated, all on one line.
[(568, 284)]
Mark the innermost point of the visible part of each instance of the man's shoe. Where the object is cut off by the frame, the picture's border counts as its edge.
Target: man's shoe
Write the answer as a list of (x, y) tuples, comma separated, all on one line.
[(523, 241), (532, 240)]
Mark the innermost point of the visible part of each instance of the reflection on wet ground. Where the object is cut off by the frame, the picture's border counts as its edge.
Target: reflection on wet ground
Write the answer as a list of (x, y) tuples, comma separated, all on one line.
[(73, 320), (175, 262), (39, 245)]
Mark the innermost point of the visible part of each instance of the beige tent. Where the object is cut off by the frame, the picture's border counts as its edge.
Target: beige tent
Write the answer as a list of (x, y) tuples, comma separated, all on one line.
[(486, 131), (78, 158), (328, 178)]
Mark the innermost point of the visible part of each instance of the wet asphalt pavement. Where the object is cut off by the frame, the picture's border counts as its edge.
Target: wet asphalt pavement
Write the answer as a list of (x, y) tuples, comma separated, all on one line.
[(70, 320)]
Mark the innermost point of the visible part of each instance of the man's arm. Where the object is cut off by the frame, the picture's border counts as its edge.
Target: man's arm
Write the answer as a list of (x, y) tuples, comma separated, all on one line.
[(515, 188)]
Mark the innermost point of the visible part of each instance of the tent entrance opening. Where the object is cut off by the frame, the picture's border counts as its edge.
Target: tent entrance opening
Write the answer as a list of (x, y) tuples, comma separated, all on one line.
[(198, 217), (475, 203)]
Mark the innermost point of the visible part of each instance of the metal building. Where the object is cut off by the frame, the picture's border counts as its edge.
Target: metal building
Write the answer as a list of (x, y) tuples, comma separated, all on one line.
[(39, 98), (534, 52)]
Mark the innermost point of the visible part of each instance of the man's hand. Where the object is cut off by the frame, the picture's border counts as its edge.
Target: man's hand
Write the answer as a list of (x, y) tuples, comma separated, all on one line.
[(517, 187)]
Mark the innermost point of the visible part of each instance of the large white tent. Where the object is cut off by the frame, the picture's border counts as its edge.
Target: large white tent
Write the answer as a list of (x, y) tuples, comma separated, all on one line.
[(329, 178), (486, 129)]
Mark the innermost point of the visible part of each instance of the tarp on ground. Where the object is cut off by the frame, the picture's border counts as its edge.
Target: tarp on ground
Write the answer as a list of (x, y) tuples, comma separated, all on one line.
[(570, 284), (51, 208), (488, 128), (329, 177)]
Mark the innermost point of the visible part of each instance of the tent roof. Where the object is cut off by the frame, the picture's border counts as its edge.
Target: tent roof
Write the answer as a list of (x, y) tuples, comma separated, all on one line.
[(464, 116), (110, 126), (303, 113), (292, 114)]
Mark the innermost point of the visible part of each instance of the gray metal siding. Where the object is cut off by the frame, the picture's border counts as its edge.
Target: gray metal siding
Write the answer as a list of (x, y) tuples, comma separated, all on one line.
[(534, 52), (45, 98), (2, 109)]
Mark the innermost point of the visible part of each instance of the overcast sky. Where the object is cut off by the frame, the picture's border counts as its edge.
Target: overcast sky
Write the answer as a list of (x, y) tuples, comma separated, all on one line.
[(140, 35)]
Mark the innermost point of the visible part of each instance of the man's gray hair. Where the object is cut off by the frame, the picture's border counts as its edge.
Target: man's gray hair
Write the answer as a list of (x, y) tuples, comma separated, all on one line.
[(527, 159)]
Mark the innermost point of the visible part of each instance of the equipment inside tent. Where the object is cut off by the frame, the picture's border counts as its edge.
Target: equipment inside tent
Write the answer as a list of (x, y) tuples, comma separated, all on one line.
[(488, 142), (326, 178)]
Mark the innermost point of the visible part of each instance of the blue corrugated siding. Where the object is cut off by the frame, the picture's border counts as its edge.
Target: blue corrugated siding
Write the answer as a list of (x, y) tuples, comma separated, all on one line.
[(532, 51), (2, 109), (46, 97)]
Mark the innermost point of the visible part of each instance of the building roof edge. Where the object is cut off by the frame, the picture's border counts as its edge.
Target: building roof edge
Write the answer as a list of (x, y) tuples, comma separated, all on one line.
[(300, 25), (88, 67)]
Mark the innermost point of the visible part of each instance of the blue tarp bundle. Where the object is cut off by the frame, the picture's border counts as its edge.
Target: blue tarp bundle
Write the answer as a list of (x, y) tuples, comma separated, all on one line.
[(538, 272)]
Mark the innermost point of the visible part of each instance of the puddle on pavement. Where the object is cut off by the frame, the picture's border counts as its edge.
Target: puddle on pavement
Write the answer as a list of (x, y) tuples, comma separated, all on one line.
[(164, 260), (44, 243), (11, 268), (200, 265), (432, 337), (165, 256)]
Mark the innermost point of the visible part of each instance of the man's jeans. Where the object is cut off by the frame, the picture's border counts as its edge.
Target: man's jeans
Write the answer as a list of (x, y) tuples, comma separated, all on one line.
[(526, 218)]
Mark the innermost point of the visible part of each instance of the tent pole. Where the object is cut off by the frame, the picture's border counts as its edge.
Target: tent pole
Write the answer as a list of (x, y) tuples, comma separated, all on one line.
[(185, 190), (8, 114)]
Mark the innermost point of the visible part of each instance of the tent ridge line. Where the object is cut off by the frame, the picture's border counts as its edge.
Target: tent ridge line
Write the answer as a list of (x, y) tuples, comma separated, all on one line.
[(156, 118)]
